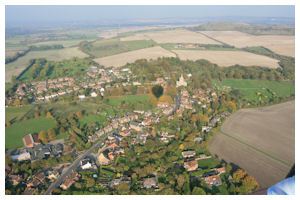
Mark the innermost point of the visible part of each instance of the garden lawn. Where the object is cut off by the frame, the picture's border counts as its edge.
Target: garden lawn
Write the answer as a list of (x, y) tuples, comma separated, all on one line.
[(15, 133), (208, 163)]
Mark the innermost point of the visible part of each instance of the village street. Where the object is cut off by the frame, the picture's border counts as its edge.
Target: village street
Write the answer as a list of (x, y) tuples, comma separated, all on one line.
[(73, 167)]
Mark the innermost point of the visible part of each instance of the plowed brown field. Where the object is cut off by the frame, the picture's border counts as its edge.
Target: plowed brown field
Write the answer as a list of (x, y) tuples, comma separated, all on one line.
[(261, 140)]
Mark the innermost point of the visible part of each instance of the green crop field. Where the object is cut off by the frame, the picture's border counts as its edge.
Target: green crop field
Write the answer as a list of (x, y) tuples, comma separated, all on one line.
[(15, 133), (16, 112), (249, 88), (102, 48)]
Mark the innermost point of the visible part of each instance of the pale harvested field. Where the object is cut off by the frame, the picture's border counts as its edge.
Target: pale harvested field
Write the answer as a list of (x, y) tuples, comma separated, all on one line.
[(115, 32), (16, 67), (129, 57), (174, 36), (10, 53), (281, 44), (261, 140), (65, 43), (228, 58)]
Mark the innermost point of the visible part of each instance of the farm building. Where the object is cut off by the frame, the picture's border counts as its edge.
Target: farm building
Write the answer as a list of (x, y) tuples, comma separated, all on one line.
[(30, 140)]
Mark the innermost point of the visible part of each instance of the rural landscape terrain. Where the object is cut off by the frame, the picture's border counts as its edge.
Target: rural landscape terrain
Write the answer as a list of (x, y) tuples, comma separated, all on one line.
[(204, 108)]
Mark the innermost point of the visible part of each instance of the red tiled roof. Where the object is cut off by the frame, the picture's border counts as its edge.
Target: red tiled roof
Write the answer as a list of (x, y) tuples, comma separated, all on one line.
[(28, 140), (191, 165), (213, 180), (35, 138)]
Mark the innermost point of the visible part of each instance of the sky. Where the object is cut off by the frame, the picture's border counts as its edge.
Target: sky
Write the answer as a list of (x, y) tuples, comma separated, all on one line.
[(32, 14)]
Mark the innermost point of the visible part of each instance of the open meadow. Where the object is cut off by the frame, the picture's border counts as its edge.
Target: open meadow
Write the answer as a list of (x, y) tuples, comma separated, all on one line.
[(260, 140), (16, 67), (228, 58), (129, 57), (250, 88), (281, 44), (12, 113), (102, 48), (15, 133), (130, 99)]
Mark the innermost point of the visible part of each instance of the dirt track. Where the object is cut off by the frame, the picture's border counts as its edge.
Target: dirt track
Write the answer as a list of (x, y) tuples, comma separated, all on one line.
[(261, 140)]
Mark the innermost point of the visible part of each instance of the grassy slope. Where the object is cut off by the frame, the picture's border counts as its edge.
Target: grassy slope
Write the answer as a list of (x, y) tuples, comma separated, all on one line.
[(110, 47), (15, 133), (92, 118), (65, 43), (16, 112), (117, 101), (16, 67), (63, 68), (249, 88)]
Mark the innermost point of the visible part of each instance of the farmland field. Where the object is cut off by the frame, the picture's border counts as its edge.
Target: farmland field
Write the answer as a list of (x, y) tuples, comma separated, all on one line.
[(281, 44), (249, 88), (11, 52), (174, 36), (102, 48), (111, 33), (260, 140), (15, 133), (139, 36), (16, 67), (129, 57), (228, 58), (65, 43)]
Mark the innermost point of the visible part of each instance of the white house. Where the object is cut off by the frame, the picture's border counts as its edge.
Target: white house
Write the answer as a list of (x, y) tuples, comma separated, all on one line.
[(135, 83), (206, 129), (94, 94), (87, 165), (81, 97), (21, 157)]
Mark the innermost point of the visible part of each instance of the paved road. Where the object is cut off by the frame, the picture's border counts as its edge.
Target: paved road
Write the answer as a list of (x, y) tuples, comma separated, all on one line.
[(177, 105), (72, 167)]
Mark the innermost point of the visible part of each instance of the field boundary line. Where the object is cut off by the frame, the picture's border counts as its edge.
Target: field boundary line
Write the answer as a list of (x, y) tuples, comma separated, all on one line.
[(219, 41), (256, 149)]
